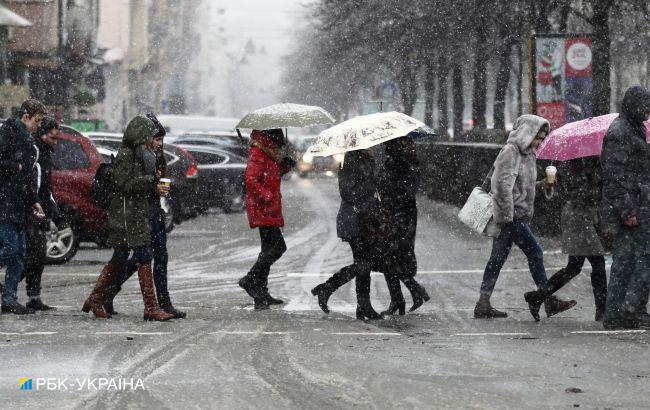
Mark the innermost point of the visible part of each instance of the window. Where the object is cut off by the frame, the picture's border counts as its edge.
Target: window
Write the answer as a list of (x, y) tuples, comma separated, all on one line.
[(69, 155), (208, 158)]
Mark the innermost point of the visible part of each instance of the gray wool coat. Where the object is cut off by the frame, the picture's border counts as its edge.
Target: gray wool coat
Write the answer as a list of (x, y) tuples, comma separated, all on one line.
[(514, 180)]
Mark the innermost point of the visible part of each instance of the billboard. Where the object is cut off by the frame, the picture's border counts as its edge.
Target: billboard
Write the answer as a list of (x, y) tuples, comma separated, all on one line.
[(561, 77)]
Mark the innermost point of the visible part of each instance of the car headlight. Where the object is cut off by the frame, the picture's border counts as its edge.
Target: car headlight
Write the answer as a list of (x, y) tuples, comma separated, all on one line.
[(307, 157), (339, 157)]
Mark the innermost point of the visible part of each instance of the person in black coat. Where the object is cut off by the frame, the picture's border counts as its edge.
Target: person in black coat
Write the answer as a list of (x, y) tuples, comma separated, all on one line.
[(45, 139), (398, 187), (626, 209), (18, 199), (354, 225)]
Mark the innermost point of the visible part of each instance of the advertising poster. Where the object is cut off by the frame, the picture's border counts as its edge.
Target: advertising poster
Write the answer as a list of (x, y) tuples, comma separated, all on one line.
[(561, 78)]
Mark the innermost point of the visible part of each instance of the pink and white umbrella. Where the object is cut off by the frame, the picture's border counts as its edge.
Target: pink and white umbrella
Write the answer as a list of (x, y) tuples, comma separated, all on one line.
[(579, 139)]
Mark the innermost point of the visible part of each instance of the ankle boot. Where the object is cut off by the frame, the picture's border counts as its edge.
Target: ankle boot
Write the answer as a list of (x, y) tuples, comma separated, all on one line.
[(397, 302), (535, 300), (365, 310), (151, 309), (418, 293), (107, 277), (108, 300), (323, 291), (484, 310), (166, 304), (553, 305)]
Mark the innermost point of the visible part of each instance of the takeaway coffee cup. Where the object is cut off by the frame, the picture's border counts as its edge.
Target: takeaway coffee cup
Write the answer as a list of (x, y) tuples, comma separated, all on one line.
[(166, 182), (551, 171)]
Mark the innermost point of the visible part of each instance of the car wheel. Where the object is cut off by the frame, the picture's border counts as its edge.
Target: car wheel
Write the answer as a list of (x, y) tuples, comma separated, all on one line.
[(62, 243)]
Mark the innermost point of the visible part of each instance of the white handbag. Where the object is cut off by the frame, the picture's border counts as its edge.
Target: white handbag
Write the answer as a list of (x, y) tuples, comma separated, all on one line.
[(477, 213)]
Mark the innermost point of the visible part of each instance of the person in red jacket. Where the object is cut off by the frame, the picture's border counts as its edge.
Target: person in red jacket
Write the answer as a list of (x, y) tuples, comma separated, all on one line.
[(266, 165)]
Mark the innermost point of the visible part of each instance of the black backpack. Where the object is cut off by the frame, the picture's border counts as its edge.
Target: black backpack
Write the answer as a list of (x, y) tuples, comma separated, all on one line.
[(103, 185)]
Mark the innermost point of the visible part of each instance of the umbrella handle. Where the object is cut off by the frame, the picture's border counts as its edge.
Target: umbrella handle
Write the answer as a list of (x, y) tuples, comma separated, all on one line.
[(239, 133)]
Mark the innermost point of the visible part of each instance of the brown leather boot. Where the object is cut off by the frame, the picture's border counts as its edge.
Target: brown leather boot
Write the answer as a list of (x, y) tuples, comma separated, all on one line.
[(96, 298), (553, 305), (151, 309)]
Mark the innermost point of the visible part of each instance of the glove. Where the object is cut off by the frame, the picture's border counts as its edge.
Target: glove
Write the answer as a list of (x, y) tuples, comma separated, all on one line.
[(289, 162)]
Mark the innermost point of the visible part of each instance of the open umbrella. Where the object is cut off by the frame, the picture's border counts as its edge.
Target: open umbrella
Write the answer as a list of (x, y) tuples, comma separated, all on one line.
[(579, 139), (285, 115), (364, 132)]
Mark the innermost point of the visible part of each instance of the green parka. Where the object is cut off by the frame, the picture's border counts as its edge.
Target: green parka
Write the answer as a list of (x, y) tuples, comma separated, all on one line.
[(128, 215)]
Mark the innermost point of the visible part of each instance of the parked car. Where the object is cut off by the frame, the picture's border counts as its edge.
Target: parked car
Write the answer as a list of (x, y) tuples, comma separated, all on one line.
[(176, 124), (309, 164), (221, 178), (75, 161), (183, 170), (225, 141)]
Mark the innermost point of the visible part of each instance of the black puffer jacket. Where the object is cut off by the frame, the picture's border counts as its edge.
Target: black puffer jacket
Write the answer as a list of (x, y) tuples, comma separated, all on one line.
[(16, 190), (357, 186), (626, 162)]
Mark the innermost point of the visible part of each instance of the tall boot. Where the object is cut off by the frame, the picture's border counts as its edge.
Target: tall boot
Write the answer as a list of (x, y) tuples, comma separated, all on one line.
[(106, 278), (325, 290), (266, 296), (111, 292), (151, 309), (364, 307), (397, 302), (418, 293), (165, 303)]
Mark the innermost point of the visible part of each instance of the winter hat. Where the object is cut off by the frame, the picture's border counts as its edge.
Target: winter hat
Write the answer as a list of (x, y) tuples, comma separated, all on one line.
[(161, 130)]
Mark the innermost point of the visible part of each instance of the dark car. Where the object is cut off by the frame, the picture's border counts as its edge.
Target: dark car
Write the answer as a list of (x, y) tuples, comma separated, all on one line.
[(75, 161), (225, 141), (183, 170), (309, 164), (221, 178)]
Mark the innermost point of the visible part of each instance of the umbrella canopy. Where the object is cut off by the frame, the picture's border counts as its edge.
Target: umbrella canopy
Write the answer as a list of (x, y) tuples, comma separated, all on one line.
[(10, 19), (363, 132), (285, 115), (579, 139)]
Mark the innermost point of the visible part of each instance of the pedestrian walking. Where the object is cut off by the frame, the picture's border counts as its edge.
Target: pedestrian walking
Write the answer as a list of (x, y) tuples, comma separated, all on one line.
[(513, 186), (580, 237), (398, 187), (626, 210), (158, 239), (45, 140), (355, 224), (134, 175), (18, 199), (266, 165)]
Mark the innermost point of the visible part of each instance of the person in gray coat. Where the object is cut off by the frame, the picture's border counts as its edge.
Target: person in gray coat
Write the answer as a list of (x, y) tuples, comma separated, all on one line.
[(513, 186), (580, 237), (626, 211)]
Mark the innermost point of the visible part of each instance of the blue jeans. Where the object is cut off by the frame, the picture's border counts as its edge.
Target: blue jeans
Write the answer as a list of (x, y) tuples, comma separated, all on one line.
[(12, 255), (520, 234)]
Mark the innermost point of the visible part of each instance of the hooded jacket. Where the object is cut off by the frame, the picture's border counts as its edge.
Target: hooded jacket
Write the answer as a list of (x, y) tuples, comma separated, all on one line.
[(17, 194), (625, 162), (514, 180), (134, 177), (263, 173)]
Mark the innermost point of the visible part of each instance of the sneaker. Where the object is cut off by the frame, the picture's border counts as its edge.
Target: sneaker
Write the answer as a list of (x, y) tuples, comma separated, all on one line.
[(37, 304), (17, 309)]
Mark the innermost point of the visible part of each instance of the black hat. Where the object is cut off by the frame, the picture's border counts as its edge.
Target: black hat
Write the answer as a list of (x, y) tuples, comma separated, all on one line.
[(161, 130), (47, 125)]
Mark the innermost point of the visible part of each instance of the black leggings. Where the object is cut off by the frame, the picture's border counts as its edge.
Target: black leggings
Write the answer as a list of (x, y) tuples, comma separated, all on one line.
[(573, 269), (363, 255), (273, 247)]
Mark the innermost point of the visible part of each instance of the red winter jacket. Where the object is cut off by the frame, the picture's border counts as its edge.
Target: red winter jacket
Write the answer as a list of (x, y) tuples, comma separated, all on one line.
[(263, 197)]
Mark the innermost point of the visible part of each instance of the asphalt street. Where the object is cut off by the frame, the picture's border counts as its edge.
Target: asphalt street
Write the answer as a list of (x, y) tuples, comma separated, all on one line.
[(226, 355)]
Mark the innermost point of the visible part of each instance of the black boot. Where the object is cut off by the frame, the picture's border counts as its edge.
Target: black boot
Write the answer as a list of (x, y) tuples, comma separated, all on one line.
[(266, 296), (17, 309), (36, 303), (484, 310), (535, 300), (248, 284), (397, 302), (108, 301), (323, 291), (364, 307), (166, 304), (418, 293)]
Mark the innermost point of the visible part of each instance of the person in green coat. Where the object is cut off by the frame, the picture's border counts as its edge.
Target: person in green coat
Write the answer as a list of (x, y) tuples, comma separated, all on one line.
[(134, 178)]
